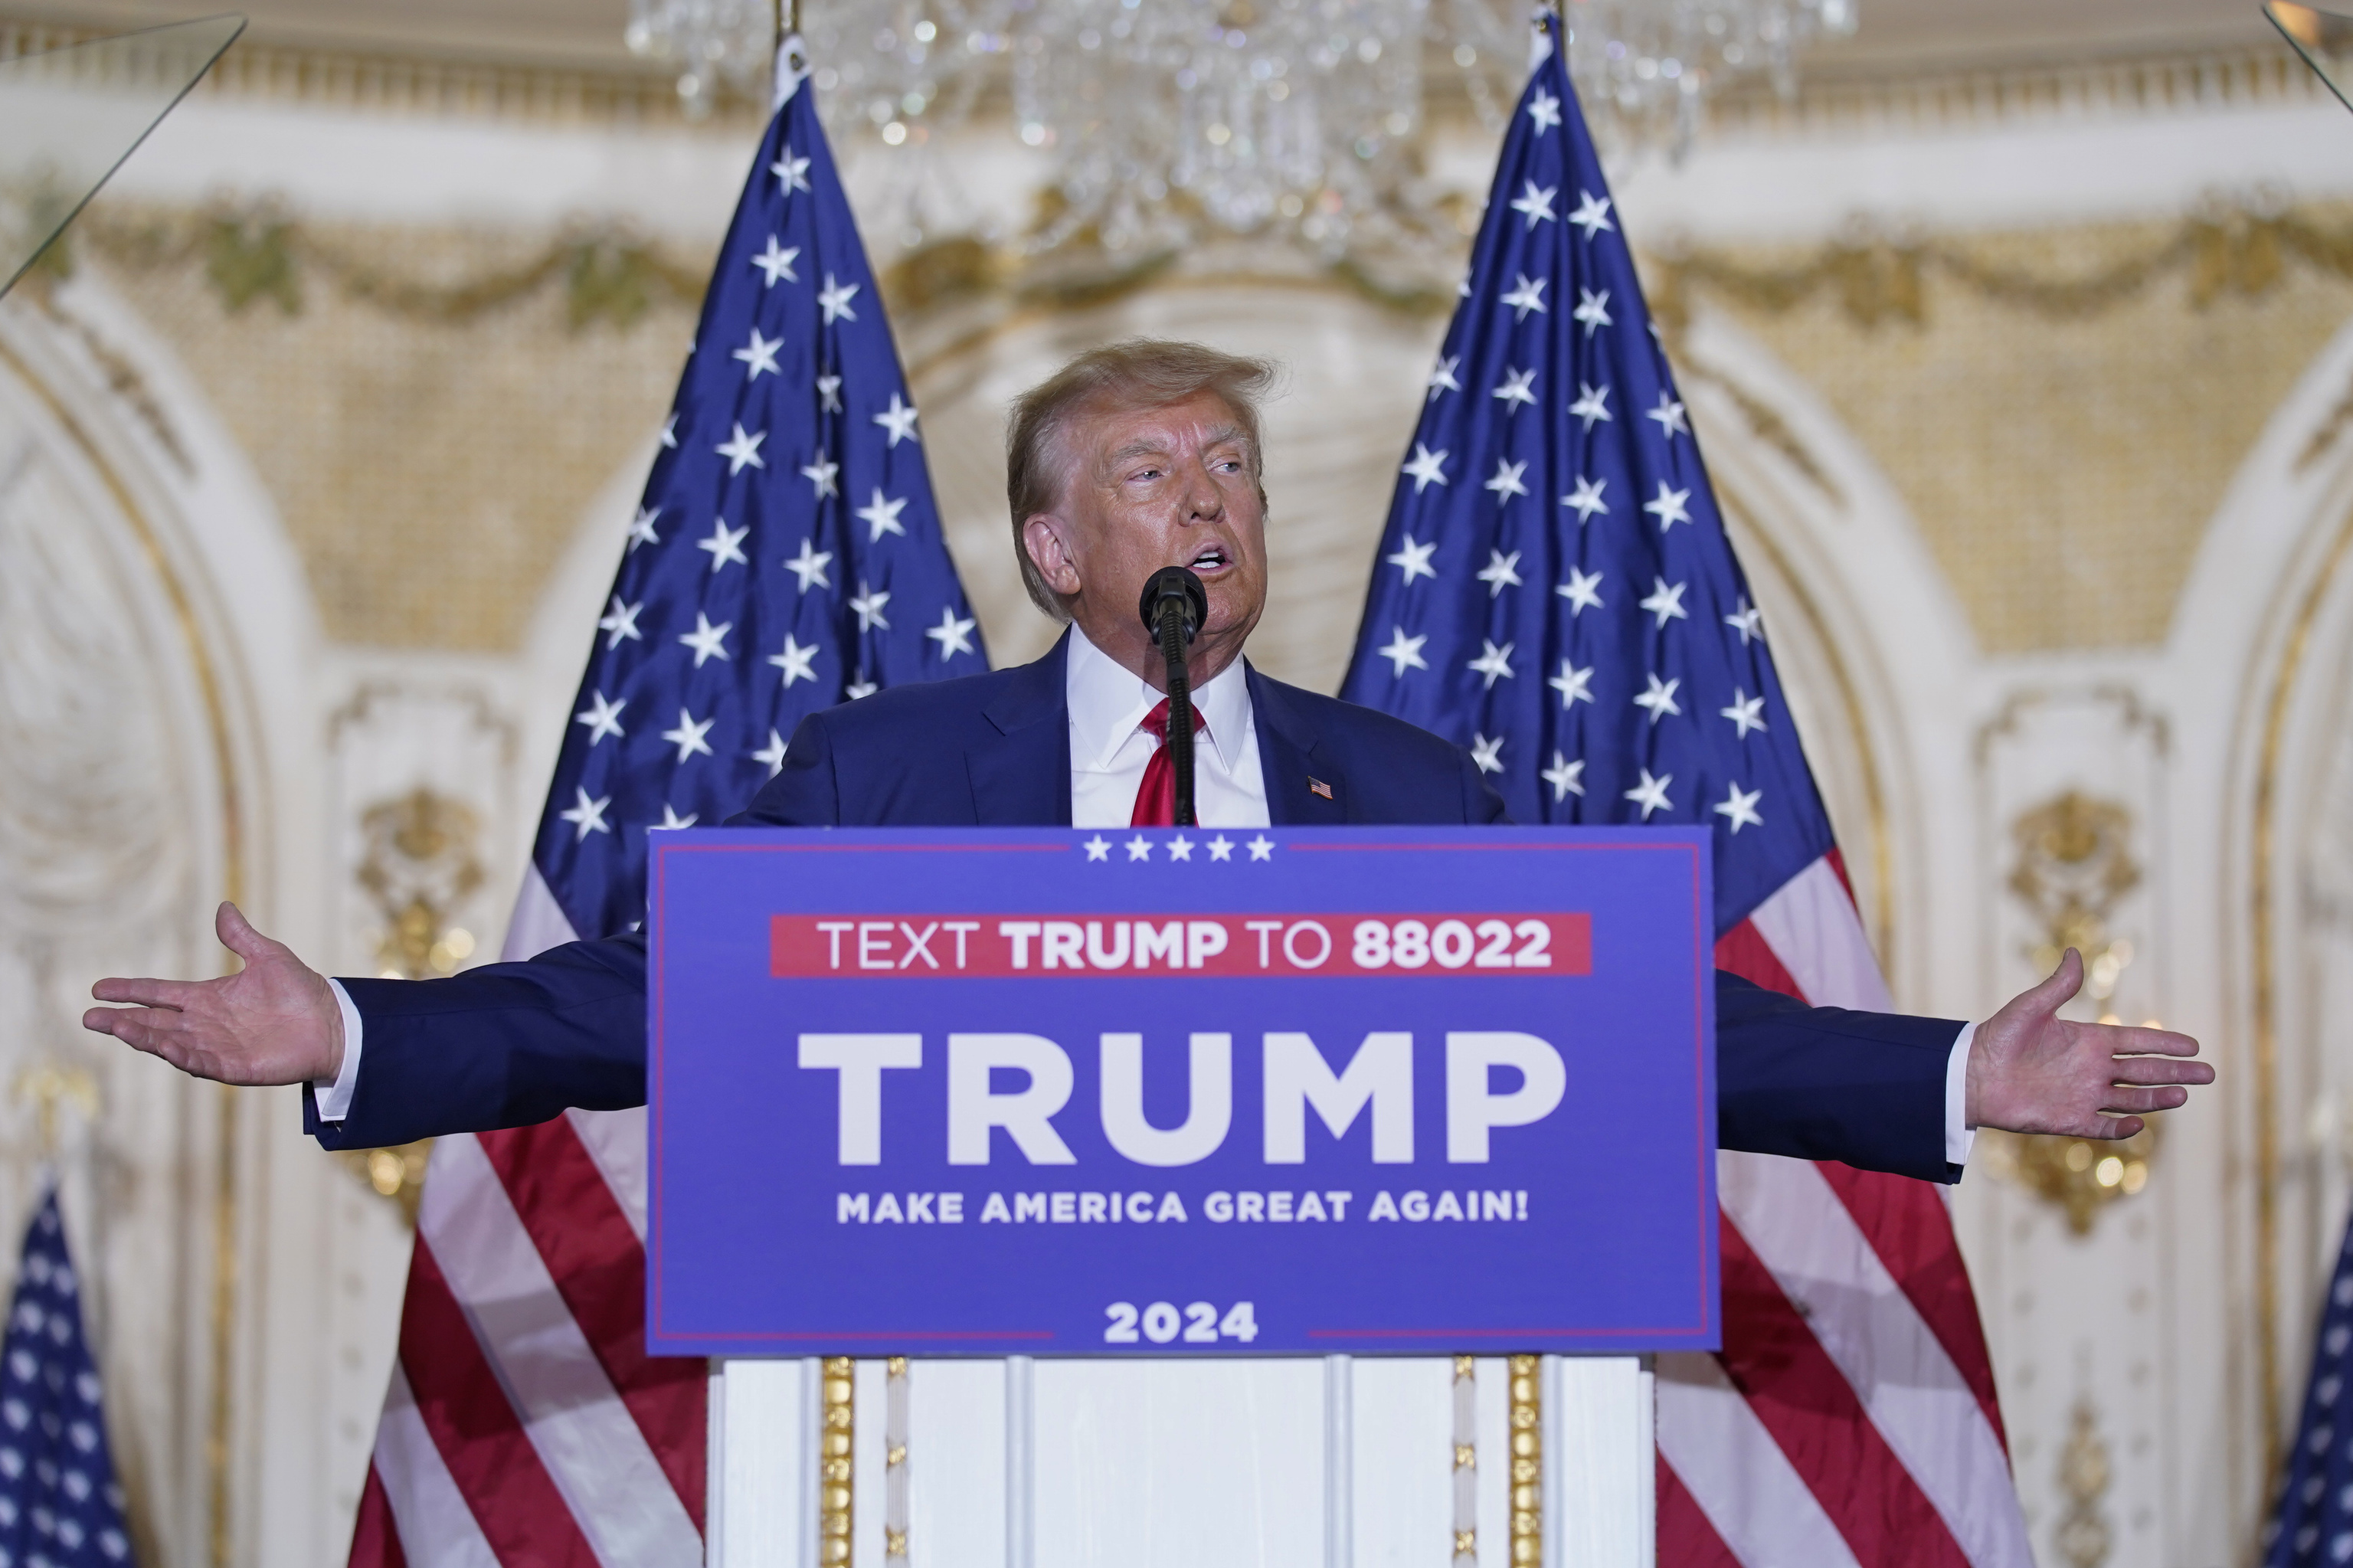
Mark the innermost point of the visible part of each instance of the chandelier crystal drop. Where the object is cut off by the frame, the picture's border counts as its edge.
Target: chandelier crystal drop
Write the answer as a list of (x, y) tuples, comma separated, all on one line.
[(711, 42)]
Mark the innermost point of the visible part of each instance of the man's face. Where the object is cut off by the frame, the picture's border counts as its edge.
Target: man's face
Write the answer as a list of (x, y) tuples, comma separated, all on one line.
[(1147, 488)]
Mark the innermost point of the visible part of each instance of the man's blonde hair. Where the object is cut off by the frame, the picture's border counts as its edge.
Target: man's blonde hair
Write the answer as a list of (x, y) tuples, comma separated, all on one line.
[(1140, 373)]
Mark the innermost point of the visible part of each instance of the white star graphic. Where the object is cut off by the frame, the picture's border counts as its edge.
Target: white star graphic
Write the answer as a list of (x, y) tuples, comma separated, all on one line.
[(603, 718), (859, 689), (834, 300), (724, 544), (760, 355), (1413, 560), (1670, 414), (1566, 778), (642, 529), (1525, 295), (1506, 482), (1746, 713), (1405, 653), (670, 432), (776, 262), (1741, 807), (1428, 468), (791, 173), (742, 451), (1668, 507), (1592, 404), (773, 754), (1260, 848), (1098, 848), (1666, 602), (1651, 794), (1515, 389), (708, 641), (1536, 204), (1221, 848), (829, 391), (621, 620), (672, 822), (1139, 848), (899, 418), (1575, 685), (1502, 571), (798, 660), (1592, 213), (1180, 848), (586, 814), (1545, 109), (1660, 700), (866, 605), (883, 515), (1592, 309), (1587, 499), (1747, 621), (1488, 754), (1581, 590), (687, 736), (953, 635), (1492, 662), (820, 475), (1442, 378), (810, 566)]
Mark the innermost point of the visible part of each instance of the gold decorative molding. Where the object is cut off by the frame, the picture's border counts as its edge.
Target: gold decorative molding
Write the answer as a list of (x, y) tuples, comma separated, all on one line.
[(896, 1499), (1466, 1463), (2081, 1176), (421, 865), (837, 1429), (2083, 1535), (1527, 1461), (45, 1086), (2073, 867)]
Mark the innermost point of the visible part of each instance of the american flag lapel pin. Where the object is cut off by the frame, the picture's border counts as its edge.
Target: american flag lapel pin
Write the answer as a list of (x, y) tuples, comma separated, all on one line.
[(1317, 786)]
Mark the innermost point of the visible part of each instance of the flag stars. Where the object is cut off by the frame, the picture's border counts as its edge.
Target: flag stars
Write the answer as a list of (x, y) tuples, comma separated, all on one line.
[(672, 822), (1592, 214), (1427, 468), (1566, 778), (1535, 204), (1502, 571), (742, 450), (1488, 753), (1660, 700), (821, 474), (1592, 405), (1442, 378), (860, 688), (708, 641), (669, 425), (1506, 482), (866, 605), (620, 623), (899, 419), (759, 355), (641, 527), (1592, 309), (687, 736), (882, 514), (1587, 499), (588, 815), (1575, 685), (791, 173), (1492, 661), (776, 262), (1525, 295), (1518, 389), (1670, 414), (1404, 652), (1666, 602), (810, 566), (1582, 590), (1739, 808), (1746, 713), (829, 393), (1651, 794), (1413, 560), (725, 544), (953, 633), (1668, 506), (602, 717), (772, 754), (1545, 109), (1747, 621), (798, 660), (834, 300)]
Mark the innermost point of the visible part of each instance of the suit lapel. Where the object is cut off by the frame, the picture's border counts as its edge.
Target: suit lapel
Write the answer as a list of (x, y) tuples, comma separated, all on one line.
[(1288, 761), (1022, 775)]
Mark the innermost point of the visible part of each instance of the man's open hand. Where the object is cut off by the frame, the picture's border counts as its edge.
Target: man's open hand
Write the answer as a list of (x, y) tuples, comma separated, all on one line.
[(2032, 1071), (275, 1022)]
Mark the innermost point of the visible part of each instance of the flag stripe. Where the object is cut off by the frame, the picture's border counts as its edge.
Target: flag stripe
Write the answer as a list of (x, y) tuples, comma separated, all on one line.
[(1744, 951), (598, 1264), (615, 1140), (474, 1429), (1917, 1399), (1806, 1403), (589, 1443), (1749, 1496), (1811, 926), (376, 1539), (425, 1516), (1686, 1539)]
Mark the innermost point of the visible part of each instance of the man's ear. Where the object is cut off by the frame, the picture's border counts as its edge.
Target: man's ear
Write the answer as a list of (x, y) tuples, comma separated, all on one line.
[(1042, 531)]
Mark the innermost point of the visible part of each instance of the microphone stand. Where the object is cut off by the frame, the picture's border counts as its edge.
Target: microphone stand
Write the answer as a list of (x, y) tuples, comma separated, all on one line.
[(1175, 605)]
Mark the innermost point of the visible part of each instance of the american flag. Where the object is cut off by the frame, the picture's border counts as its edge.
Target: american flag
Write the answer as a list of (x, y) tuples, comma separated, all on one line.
[(59, 1505), (787, 556), (2312, 1523), (1556, 591)]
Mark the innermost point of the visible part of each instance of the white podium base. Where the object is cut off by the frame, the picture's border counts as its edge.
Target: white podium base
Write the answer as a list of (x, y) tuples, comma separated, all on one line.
[(1345, 1462)]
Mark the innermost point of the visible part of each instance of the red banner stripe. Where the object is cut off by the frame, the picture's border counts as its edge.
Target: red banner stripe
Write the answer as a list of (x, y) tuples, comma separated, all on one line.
[(599, 1268), (376, 1539), (1686, 1539), (489, 1456), (1807, 1404)]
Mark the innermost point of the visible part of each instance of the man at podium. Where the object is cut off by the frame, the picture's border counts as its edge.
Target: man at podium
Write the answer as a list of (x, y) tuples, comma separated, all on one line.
[(1132, 458)]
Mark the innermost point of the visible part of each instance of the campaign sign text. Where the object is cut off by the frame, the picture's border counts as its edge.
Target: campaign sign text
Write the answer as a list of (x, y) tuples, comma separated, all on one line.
[(1156, 1092)]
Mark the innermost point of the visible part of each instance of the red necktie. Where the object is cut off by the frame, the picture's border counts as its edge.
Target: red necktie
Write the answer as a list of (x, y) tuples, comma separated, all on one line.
[(1156, 798)]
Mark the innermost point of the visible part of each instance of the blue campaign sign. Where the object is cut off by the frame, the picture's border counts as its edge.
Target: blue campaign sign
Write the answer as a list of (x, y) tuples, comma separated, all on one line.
[(1155, 1092)]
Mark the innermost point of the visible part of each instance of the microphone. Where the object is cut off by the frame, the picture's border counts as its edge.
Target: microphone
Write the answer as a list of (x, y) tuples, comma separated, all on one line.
[(1175, 605)]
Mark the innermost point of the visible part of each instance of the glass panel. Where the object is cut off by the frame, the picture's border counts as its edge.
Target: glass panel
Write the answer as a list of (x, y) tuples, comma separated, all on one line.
[(68, 118), (2324, 38)]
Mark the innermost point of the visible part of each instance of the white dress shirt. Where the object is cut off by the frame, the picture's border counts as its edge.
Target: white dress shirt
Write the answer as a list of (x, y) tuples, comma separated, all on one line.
[(1109, 749)]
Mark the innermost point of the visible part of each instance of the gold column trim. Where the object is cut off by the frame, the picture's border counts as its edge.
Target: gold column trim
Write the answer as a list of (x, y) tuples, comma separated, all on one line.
[(1528, 1462), (837, 1461)]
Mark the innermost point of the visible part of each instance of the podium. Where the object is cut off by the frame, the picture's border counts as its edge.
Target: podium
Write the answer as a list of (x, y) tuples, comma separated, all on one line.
[(1046, 1198)]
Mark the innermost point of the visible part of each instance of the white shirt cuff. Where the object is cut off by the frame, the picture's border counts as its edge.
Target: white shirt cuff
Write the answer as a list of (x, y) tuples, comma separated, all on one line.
[(334, 1099), (1958, 1135)]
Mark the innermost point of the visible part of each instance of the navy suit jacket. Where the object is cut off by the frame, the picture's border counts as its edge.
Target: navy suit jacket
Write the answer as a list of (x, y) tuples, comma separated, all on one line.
[(512, 1044)]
